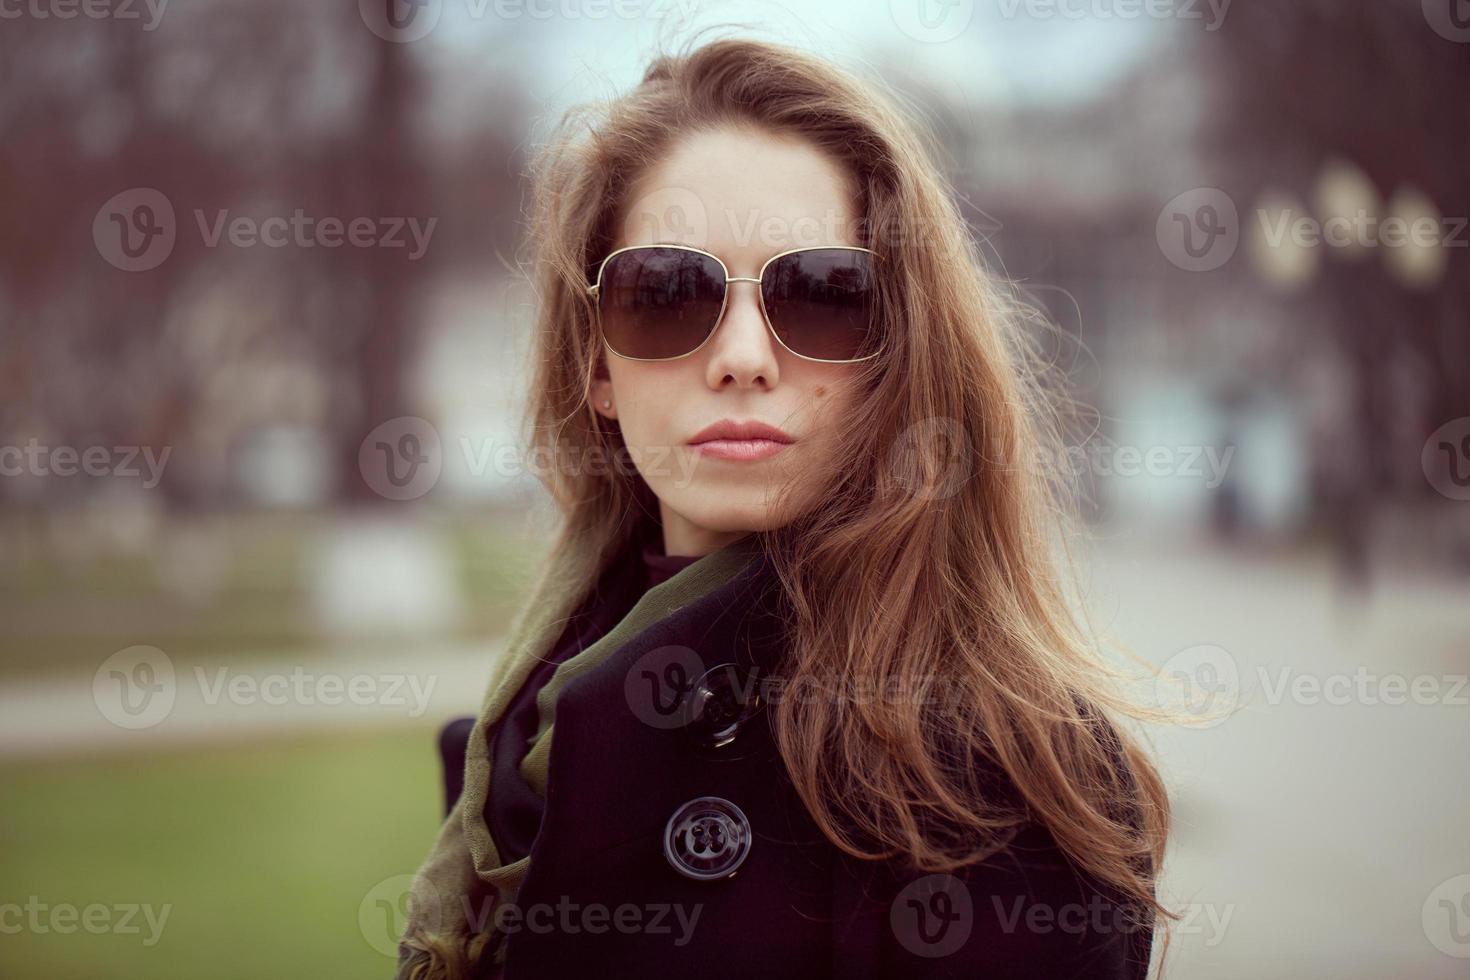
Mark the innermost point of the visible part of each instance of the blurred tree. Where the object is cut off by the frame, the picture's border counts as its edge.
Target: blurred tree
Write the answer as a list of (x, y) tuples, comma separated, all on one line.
[(1301, 85), (228, 110)]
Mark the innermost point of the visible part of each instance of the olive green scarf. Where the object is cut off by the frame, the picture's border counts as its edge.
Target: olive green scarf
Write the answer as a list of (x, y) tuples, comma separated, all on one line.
[(463, 871)]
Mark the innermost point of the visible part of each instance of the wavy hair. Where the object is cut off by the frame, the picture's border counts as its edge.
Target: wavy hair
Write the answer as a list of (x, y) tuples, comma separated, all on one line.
[(931, 565)]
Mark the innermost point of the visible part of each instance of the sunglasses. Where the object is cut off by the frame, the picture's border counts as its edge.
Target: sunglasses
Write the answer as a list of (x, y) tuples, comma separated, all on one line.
[(661, 302)]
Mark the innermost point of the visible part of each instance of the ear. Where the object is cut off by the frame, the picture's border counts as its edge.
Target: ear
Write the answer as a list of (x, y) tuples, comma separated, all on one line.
[(601, 394)]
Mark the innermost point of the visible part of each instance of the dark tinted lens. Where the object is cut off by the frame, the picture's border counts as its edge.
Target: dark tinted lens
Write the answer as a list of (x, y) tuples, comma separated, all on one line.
[(822, 302), (659, 302)]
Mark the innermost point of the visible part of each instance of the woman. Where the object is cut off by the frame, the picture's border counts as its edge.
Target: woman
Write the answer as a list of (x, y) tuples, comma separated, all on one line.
[(818, 706)]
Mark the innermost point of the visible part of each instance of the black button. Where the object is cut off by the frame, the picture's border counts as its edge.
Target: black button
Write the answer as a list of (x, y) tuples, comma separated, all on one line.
[(707, 838), (720, 702)]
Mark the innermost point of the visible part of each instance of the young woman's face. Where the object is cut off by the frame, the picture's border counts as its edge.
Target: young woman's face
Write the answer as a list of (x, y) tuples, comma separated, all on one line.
[(744, 196)]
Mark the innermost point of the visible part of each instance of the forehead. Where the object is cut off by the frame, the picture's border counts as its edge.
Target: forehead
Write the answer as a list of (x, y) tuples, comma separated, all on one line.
[(744, 195)]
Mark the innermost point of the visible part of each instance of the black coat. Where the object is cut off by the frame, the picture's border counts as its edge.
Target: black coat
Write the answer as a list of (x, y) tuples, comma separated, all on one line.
[(612, 889)]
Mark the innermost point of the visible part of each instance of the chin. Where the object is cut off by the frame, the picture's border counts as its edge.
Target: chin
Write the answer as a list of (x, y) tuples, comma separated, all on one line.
[(726, 510)]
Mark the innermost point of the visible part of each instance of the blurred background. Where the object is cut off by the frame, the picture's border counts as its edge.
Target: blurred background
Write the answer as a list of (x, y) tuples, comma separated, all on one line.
[(265, 515)]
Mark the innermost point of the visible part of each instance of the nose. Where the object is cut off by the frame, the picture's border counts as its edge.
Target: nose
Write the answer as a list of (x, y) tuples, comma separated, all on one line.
[(742, 351)]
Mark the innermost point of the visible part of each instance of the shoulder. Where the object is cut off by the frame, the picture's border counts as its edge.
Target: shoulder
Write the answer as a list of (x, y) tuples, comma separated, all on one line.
[(1025, 911)]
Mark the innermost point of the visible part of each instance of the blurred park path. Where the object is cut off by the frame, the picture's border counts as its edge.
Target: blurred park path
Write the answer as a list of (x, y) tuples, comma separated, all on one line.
[(81, 712), (1317, 820)]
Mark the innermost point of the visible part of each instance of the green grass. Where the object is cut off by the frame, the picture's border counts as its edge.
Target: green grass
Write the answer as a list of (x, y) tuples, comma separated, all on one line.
[(263, 853)]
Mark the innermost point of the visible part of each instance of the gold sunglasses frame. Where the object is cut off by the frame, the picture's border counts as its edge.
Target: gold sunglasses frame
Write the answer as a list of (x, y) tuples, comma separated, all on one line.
[(596, 288)]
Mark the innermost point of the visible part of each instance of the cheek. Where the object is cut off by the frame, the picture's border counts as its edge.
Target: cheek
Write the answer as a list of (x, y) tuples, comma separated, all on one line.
[(827, 401), (647, 398), (831, 390)]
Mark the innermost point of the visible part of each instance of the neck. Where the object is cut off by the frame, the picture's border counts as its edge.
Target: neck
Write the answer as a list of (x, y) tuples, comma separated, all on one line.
[(682, 537)]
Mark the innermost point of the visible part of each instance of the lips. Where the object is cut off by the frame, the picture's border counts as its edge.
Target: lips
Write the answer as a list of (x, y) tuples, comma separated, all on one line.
[(731, 430), (740, 441)]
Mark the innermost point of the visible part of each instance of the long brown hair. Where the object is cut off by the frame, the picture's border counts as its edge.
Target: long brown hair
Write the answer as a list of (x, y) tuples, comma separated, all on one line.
[(930, 564)]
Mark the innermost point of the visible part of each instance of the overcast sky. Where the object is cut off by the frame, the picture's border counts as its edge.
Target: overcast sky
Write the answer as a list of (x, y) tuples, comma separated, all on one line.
[(992, 57)]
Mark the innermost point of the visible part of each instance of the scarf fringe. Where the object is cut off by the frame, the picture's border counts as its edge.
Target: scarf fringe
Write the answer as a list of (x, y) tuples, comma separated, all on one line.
[(439, 957)]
